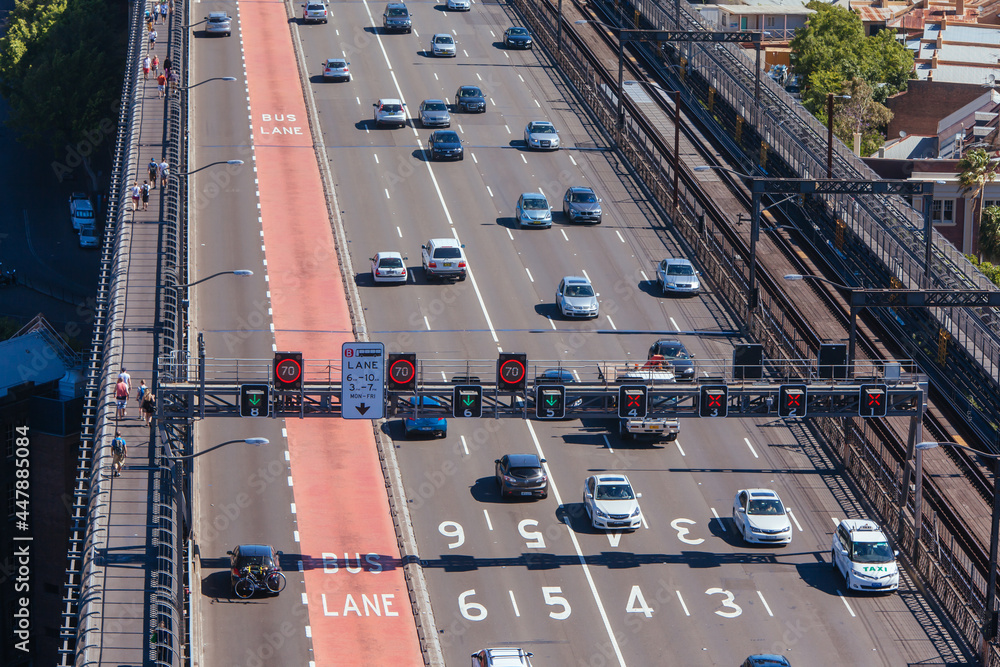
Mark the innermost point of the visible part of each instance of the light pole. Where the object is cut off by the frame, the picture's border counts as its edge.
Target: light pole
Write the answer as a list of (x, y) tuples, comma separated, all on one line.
[(989, 626), (830, 97), (212, 164), (214, 78), (257, 442), (235, 272), (755, 196)]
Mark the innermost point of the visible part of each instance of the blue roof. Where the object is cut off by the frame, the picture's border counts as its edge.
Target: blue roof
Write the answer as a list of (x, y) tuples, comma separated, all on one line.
[(29, 358)]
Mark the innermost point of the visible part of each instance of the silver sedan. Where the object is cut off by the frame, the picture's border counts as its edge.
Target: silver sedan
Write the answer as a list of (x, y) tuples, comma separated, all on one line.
[(434, 113), (443, 44), (541, 135)]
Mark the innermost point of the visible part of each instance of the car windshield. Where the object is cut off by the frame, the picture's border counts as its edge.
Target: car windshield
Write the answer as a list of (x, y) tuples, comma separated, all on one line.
[(679, 270), (391, 263), (542, 128), (519, 31), (254, 561), (397, 11), (523, 472), (583, 198), (338, 64), (391, 108), (766, 507), (470, 92), (447, 253), (534, 203), (435, 106), (218, 19), (447, 138), (84, 213), (872, 552), (443, 39), (579, 290), (614, 492), (672, 351)]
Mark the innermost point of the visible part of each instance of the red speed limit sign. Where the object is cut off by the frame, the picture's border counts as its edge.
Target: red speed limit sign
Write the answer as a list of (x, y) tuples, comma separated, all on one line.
[(288, 370)]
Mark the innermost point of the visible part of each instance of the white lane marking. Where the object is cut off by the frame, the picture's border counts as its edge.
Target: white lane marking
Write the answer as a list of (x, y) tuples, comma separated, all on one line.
[(579, 552), (521, 78), (464, 446), (836, 521), (474, 158), (479, 77), (289, 480), (427, 323), (309, 631), (288, 456), (844, 600), (644, 276), (794, 520), (537, 104), (719, 519), (620, 237), (529, 274), (387, 193), (305, 598), (376, 158), (509, 234), (436, 77), (607, 443), (576, 375), (443, 376), (295, 535), (683, 606), (584, 271), (564, 234), (643, 518), (489, 524), (358, 99), (761, 596), (747, 440), (572, 160), (541, 192), (524, 159), (489, 190), (678, 443), (399, 231), (513, 602), (612, 323), (293, 508), (672, 322), (507, 127), (552, 322)]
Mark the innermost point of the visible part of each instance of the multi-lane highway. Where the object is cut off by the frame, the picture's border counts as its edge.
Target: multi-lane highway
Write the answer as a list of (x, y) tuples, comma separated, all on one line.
[(530, 574)]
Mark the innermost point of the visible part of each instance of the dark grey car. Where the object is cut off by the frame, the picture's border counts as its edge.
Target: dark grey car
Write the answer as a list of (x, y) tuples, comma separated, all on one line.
[(445, 145), (470, 99), (582, 205), (672, 350), (521, 475)]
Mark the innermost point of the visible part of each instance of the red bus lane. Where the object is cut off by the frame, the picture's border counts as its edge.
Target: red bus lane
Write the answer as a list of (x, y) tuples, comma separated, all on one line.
[(359, 609)]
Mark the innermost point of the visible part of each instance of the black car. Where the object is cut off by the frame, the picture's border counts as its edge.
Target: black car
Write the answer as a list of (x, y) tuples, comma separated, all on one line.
[(521, 475), (396, 17), (260, 556), (516, 37), (582, 205), (445, 145), (470, 99), (672, 350)]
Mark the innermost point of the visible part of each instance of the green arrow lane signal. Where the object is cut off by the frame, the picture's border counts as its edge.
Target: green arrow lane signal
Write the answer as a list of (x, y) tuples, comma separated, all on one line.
[(551, 400), (469, 400), (255, 400)]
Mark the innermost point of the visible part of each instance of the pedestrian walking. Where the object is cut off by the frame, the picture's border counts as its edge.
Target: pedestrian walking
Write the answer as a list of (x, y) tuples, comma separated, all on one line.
[(149, 23), (119, 452), (167, 66), (145, 67), (136, 193), (149, 406), (161, 84), (172, 82), (155, 64), (163, 11), (141, 392), (145, 195), (152, 38), (123, 376), (121, 397), (153, 168), (171, 6), (164, 173)]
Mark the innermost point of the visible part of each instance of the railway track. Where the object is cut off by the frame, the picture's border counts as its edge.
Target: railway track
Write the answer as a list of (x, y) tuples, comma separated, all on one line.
[(814, 332)]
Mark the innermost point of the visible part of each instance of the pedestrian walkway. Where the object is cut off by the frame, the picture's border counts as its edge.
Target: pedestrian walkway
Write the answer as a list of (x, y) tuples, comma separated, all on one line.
[(128, 608)]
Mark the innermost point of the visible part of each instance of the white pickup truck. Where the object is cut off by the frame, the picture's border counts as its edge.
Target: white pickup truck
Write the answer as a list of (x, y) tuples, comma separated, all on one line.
[(654, 371)]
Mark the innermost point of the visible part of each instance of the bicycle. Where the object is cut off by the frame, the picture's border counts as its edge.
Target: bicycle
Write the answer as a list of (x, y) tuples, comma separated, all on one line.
[(257, 578)]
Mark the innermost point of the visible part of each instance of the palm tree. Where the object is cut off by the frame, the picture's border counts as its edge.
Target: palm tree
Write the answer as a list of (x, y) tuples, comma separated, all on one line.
[(976, 170)]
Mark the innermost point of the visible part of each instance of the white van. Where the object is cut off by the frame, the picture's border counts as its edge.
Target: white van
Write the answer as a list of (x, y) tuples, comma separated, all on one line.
[(89, 237), (81, 211)]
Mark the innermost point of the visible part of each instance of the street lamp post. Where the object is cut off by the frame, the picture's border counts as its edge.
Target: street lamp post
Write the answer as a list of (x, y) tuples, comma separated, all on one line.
[(235, 272), (830, 97), (990, 618), (257, 442)]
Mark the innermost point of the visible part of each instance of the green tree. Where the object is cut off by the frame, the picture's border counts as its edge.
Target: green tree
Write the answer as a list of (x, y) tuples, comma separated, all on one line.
[(975, 171), (991, 271), (61, 64), (861, 114), (989, 233), (833, 49)]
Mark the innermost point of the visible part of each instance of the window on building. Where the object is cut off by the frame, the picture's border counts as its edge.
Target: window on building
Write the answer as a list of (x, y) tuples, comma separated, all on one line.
[(943, 212), (769, 22), (9, 439)]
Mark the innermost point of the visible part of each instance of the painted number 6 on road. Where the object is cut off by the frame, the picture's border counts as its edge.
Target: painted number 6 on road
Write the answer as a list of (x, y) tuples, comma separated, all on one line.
[(472, 611)]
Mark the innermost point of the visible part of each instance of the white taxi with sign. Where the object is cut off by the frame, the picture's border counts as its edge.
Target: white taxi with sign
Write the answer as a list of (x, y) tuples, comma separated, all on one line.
[(862, 554)]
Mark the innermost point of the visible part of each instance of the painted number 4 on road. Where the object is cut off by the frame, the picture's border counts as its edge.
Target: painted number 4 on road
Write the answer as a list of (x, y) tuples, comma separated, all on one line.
[(362, 390)]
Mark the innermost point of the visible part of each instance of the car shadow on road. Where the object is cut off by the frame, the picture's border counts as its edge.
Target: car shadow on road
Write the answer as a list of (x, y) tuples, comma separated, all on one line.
[(822, 576), (549, 311), (519, 145), (650, 287), (422, 154), (217, 585), (725, 529), (485, 490)]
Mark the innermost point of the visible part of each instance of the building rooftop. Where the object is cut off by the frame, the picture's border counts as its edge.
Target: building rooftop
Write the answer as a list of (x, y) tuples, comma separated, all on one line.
[(30, 357)]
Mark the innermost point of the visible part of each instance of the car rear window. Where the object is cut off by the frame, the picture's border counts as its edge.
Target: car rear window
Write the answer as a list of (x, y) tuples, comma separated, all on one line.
[(524, 472), (339, 64), (447, 253), (313, 7), (84, 213), (391, 108)]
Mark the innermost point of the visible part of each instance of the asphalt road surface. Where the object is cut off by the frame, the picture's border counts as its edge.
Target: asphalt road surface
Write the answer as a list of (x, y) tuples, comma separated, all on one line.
[(533, 573)]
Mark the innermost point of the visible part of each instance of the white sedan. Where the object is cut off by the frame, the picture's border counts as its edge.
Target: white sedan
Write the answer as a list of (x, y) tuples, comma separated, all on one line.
[(459, 5), (610, 502), (388, 267), (761, 518)]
